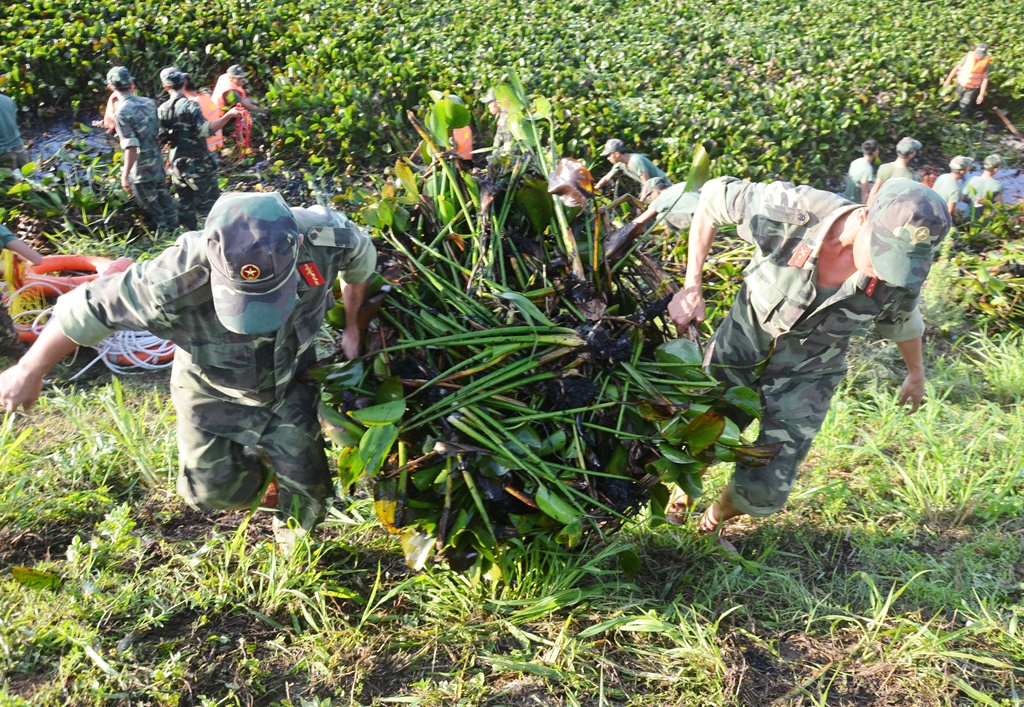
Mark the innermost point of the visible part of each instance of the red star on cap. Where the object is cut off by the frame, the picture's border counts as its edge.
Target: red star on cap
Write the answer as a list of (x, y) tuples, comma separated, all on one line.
[(249, 272)]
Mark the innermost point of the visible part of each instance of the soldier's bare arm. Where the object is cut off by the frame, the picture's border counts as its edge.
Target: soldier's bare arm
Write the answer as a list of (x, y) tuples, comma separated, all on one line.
[(912, 390), (130, 155), (688, 304), (353, 295), (21, 384)]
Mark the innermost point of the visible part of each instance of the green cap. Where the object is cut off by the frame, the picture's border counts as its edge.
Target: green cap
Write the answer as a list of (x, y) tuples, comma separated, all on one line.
[(993, 161), (907, 145), (252, 243), (489, 96), (908, 221), (658, 183), (120, 78), (960, 163), (613, 145), (236, 71)]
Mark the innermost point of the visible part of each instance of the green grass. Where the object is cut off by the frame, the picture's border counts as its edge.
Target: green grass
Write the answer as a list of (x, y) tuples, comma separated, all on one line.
[(894, 576)]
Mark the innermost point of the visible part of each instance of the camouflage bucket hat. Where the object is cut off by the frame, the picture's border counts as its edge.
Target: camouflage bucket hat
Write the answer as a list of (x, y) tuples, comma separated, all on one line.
[(658, 183), (959, 163), (907, 145), (908, 221), (173, 77), (120, 78), (253, 247), (993, 161), (237, 71), (613, 145)]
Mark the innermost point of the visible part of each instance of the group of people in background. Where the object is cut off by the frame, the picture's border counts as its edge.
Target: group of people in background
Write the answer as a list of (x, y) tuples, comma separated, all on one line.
[(190, 125)]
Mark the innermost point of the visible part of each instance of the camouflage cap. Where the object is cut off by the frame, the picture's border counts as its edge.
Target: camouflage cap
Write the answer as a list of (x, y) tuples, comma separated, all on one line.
[(960, 163), (658, 183), (237, 71), (613, 145), (992, 162), (907, 145), (489, 96), (908, 221), (172, 77), (120, 78), (981, 50), (253, 247)]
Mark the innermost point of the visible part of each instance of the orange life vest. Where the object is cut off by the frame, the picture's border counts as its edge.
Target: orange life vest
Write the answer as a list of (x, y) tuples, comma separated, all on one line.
[(108, 113), (222, 93), (972, 71), (210, 112), (463, 138)]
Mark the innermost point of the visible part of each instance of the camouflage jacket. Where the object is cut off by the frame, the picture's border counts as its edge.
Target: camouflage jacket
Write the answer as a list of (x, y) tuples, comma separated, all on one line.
[(788, 224), (171, 297), (184, 127), (137, 126)]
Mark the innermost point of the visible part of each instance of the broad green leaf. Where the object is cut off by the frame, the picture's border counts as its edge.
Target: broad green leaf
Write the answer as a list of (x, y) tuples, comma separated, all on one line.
[(350, 467), (745, 399), (339, 428), (692, 484), (629, 563), (535, 201), (375, 445), (759, 455), (508, 100), (383, 414), (703, 431), (541, 107), (28, 168), (385, 495), (389, 391), (570, 534), (36, 579), (407, 178), (700, 170), (681, 351), (555, 506)]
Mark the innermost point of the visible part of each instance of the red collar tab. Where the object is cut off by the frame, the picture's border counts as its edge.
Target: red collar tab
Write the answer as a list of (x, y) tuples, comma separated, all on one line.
[(870, 289), (800, 256), (311, 274)]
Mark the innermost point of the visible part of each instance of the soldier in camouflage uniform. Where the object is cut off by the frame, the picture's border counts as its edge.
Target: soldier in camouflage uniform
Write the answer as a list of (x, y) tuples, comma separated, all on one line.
[(243, 301), (142, 174), (825, 268), (193, 167), (504, 141), (637, 167)]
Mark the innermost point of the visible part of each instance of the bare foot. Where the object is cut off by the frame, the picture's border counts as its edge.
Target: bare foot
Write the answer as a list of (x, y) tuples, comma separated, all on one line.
[(712, 521), (270, 495)]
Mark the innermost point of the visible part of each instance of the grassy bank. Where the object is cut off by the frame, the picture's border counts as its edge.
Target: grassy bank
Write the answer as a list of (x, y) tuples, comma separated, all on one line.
[(894, 576)]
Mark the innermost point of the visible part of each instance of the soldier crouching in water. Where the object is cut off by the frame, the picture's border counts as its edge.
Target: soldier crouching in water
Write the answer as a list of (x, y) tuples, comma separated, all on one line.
[(824, 269), (193, 166), (243, 300)]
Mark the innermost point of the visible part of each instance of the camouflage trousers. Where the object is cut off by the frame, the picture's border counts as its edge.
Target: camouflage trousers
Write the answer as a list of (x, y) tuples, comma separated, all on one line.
[(196, 191), (154, 199), (227, 452), (793, 404)]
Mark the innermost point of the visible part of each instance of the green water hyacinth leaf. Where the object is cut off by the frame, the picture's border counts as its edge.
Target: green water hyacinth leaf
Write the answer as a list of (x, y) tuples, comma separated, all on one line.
[(678, 456), (656, 410), (692, 484), (508, 99), (446, 115), (389, 391), (375, 445), (535, 201), (36, 579), (555, 506), (342, 375), (383, 414), (703, 431), (745, 399), (339, 428), (681, 351), (405, 175)]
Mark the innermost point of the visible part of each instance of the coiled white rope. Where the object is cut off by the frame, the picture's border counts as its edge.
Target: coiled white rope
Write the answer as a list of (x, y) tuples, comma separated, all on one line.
[(122, 352)]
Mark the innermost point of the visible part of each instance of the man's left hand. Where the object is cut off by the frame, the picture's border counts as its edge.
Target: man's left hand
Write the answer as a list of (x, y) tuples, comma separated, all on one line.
[(912, 391)]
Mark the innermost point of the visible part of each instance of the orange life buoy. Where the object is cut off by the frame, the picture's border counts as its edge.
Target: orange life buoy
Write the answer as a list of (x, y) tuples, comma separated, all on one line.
[(58, 274)]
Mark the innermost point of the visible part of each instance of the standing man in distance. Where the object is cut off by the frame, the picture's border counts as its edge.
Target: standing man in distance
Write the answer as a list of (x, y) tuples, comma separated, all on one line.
[(971, 78), (210, 112), (243, 300), (193, 167), (985, 187), (637, 167), (862, 173), (906, 150), (824, 268), (13, 154), (230, 90), (504, 142), (142, 173), (949, 186)]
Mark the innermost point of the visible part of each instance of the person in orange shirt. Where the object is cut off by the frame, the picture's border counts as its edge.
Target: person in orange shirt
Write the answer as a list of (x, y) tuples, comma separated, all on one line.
[(230, 89), (971, 78), (210, 112)]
